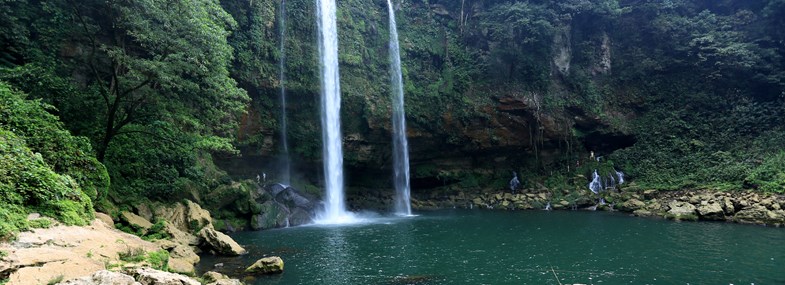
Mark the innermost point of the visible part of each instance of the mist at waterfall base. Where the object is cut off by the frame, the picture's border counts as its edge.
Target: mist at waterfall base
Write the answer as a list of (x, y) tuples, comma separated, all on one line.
[(400, 144), (516, 247)]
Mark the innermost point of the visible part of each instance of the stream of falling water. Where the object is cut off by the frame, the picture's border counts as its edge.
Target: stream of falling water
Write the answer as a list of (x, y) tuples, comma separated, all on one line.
[(400, 144)]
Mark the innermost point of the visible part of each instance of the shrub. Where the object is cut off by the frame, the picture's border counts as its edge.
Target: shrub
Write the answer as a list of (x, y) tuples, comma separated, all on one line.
[(769, 176), (12, 220), (32, 147), (45, 134), (158, 259)]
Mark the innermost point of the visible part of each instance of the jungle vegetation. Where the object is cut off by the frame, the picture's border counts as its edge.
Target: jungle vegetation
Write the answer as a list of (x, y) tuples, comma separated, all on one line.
[(105, 102)]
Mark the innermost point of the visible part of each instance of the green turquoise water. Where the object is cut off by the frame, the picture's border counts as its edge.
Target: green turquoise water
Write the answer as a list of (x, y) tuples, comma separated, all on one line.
[(523, 247)]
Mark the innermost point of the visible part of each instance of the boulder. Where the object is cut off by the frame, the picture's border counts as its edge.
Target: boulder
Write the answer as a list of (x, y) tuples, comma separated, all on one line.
[(149, 276), (135, 220), (631, 205), (220, 243), (758, 214), (103, 277), (296, 199), (711, 211), (655, 206), (642, 213), (267, 265), (187, 217), (225, 195), (186, 253), (523, 206), (275, 189), (215, 278), (144, 211), (273, 215), (727, 204), (300, 217), (173, 214), (197, 217), (181, 266), (182, 259), (105, 218), (166, 244), (180, 236), (681, 211)]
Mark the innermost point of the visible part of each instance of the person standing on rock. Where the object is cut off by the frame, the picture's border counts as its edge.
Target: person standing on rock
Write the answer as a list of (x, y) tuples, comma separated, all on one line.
[(514, 183)]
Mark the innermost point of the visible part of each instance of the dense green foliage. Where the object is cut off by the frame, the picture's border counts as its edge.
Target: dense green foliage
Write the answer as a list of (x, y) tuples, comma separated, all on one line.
[(146, 81), (711, 80), (42, 166)]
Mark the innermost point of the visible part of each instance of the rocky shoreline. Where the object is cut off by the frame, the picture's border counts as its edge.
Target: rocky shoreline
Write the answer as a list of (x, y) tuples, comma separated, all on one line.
[(738, 207), (161, 253)]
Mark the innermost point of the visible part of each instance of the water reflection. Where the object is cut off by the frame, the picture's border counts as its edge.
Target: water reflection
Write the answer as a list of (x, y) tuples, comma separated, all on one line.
[(337, 259), (481, 247)]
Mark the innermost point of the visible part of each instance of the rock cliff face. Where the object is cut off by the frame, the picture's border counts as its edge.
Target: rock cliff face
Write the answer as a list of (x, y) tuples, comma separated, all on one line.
[(474, 98)]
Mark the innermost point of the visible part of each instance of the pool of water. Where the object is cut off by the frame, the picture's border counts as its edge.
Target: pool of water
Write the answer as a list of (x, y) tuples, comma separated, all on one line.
[(521, 247)]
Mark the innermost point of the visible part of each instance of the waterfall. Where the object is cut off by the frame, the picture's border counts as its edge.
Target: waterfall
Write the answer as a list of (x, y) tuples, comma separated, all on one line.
[(332, 155), (596, 184), (286, 160), (620, 175), (400, 144)]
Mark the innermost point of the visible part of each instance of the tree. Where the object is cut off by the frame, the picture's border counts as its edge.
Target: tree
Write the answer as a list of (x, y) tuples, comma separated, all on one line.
[(153, 60)]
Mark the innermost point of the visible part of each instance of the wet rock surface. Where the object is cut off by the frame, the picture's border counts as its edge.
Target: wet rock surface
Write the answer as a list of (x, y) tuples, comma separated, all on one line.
[(267, 265), (740, 207), (281, 206)]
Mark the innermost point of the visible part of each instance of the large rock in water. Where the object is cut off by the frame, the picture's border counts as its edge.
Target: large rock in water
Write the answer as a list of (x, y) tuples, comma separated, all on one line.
[(758, 214), (220, 242), (632, 205), (711, 211), (288, 207), (273, 215), (267, 265), (682, 210)]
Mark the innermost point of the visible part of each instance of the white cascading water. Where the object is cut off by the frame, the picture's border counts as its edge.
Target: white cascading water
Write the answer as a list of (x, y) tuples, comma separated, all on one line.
[(400, 144), (286, 160), (596, 184), (332, 155), (620, 175)]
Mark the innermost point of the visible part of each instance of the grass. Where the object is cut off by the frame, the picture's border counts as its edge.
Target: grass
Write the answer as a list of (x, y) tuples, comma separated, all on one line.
[(156, 259), (55, 280), (41, 223), (132, 255)]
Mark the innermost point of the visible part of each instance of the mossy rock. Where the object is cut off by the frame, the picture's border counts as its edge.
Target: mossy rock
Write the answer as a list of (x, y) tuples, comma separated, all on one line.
[(267, 265)]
